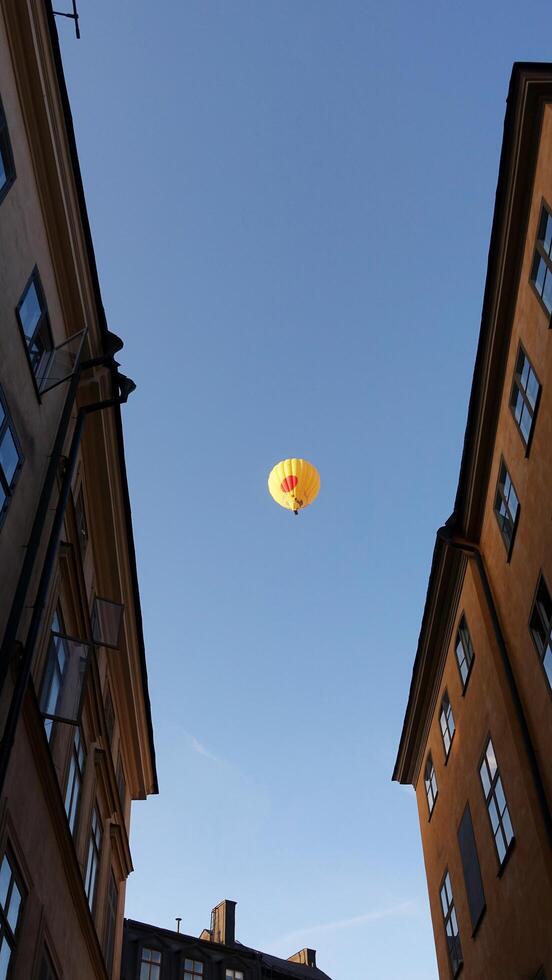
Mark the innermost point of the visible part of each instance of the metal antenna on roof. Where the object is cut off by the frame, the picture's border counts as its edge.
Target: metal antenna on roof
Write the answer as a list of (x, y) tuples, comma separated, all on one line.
[(74, 16)]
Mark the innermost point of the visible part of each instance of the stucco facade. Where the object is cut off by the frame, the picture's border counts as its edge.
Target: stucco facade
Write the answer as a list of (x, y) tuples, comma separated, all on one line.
[(66, 781), (481, 672)]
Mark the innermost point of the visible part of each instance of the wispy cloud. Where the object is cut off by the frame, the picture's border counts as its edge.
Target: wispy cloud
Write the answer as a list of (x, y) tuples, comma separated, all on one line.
[(401, 910), (201, 750)]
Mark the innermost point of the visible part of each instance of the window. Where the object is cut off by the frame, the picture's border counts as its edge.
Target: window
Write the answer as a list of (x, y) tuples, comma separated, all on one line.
[(94, 848), (464, 652), (472, 871), (525, 396), (11, 901), (451, 925), (121, 787), (541, 627), (109, 716), (541, 272), (80, 518), (506, 507), (193, 969), (110, 922), (7, 168), (446, 721), (150, 964), (74, 780), (430, 781), (56, 665), (11, 459), (234, 975), (35, 326), (496, 803)]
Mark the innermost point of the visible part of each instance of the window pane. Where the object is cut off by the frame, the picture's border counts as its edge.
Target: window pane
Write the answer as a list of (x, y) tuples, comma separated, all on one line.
[(188, 964), (5, 875), (5, 956), (485, 779), (29, 311), (539, 272), (491, 759), (3, 174), (548, 664), (15, 904), (9, 457), (547, 291)]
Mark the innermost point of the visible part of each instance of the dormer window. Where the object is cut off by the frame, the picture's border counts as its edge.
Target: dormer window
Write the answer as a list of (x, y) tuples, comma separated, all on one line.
[(150, 964), (193, 969)]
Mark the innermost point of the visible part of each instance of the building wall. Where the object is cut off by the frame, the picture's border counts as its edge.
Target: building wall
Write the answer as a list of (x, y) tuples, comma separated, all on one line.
[(513, 938), (42, 224), (510, 932)]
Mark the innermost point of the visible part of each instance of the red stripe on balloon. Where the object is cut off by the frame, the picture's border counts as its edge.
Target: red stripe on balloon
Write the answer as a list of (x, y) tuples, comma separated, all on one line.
[(288, 484)]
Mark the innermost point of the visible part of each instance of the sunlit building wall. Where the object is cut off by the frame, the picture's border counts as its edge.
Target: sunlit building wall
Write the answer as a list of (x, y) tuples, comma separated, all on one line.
[(477, 735)]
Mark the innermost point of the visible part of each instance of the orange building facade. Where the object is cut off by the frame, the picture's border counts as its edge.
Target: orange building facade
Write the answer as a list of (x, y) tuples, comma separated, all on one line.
[(477, 736), (76, 741)]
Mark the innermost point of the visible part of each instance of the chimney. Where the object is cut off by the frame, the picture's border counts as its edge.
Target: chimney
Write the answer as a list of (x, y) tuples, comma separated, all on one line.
[(223, 923), (305, 956)]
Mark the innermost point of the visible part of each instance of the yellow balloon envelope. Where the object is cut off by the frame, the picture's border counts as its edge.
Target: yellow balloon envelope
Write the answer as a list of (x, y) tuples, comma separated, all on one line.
[(294, 483)]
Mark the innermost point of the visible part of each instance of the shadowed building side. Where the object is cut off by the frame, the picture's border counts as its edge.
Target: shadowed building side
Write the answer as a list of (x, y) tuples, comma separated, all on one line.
[(76, 742)]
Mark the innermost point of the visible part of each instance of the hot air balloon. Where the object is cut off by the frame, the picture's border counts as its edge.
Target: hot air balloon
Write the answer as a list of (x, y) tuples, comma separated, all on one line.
[(294, 483)]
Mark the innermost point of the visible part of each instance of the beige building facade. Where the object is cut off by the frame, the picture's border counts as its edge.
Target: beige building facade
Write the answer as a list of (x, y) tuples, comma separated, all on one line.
[(75, 722), (477, 735)]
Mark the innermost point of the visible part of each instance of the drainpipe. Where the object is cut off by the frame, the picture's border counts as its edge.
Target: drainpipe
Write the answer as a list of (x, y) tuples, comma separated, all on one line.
[(126, 386), (473, 552)]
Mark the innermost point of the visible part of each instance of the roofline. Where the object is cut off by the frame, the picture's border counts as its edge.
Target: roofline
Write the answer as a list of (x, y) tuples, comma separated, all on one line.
[(235, 948), (79, 188), (530, 88)]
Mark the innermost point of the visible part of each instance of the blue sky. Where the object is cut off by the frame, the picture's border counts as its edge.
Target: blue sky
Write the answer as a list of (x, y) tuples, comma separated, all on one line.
[(291, 206)]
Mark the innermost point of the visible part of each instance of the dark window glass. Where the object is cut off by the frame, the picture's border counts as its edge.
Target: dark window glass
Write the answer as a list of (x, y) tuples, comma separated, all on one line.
[(472, 871), (80, 517), (74, 780), (234, 974), (541, 270), (541, 627), (525, 396), (109, 716), (54, 674), (11, 903), (111, 922), (506, 507), (193, 969), (35, 326), (430, 782), (150, 965), (446, 722), (495, 799), (464, 651), (11, 459), (93, 860), (7, 169), (121, 782), (451, 926)]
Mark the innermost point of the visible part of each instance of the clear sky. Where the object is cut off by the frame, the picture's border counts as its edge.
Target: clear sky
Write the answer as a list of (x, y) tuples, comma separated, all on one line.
[(291, 204)]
